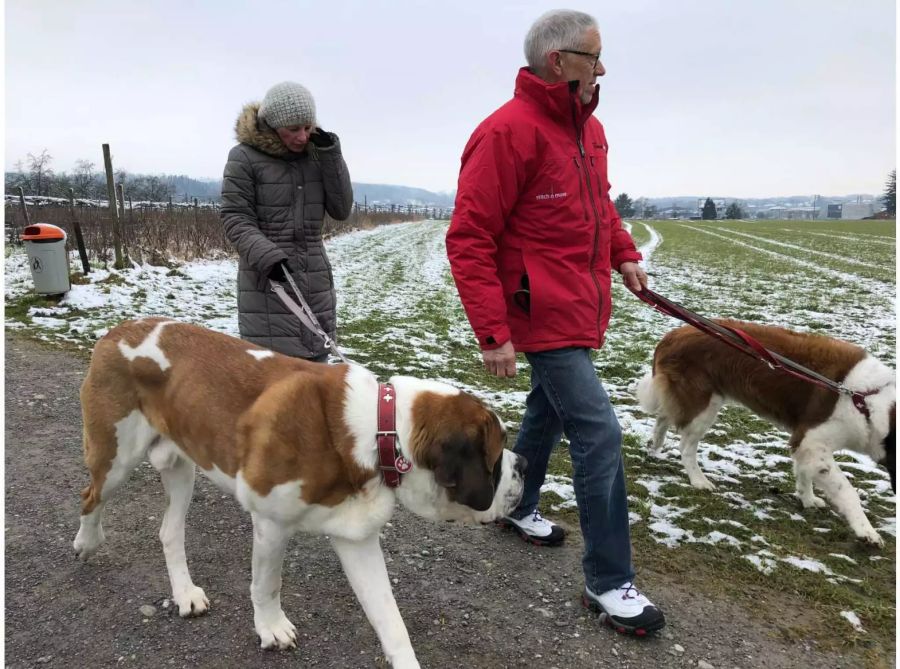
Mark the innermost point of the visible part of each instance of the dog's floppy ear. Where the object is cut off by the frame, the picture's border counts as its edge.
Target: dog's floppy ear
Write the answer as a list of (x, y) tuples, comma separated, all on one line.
[(460, 468)]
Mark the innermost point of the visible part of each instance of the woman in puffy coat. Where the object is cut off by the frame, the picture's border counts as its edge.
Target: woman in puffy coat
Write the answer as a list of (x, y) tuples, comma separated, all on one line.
[(278, 183)]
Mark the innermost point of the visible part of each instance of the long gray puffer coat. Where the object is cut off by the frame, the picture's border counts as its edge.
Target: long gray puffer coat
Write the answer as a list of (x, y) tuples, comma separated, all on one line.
[(273, 205)]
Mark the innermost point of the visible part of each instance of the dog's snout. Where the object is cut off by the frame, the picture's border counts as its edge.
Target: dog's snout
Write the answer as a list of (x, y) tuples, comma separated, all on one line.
[(521, 464)]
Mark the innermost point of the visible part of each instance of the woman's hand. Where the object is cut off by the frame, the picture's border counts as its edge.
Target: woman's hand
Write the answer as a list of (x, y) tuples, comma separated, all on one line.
[(321, 139)]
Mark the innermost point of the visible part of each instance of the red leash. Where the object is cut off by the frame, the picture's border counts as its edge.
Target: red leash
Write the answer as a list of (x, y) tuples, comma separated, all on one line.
[(746, 344)]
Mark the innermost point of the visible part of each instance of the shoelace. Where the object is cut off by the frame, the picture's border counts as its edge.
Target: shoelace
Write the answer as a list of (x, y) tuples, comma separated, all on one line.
[(537, 517), (628, 587)]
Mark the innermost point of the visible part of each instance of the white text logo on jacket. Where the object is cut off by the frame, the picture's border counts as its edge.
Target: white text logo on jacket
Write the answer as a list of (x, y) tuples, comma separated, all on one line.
[(551, 195)]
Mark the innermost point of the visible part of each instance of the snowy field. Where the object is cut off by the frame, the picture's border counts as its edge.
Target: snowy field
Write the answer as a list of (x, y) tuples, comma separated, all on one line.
[(399, 313)]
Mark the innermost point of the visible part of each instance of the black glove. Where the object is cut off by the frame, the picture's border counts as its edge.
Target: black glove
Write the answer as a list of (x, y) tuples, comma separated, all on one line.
[(321, 139), (279, 272)]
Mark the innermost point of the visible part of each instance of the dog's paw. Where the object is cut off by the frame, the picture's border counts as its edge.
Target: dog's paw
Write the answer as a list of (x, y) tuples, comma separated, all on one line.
[(191, 602), (813, 501), (87, 541), (871, 538), (703, 483), (276, 631), (404, 660)]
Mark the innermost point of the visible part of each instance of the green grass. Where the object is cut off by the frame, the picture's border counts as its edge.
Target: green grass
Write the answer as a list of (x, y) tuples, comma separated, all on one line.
[(17, 309)]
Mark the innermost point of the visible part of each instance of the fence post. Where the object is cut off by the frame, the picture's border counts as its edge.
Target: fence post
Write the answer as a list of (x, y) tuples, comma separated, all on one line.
[(24, 207), (111, 193), (120, 191), (123, 227), (79, 239), (14, 232)]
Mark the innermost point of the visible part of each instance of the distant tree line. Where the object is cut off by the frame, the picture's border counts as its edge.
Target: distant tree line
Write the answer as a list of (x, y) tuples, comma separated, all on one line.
[(36, 176), (629, 208)]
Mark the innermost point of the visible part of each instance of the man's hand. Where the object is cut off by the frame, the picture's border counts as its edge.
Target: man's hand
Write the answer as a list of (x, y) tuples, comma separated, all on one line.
[(633, 276), (500, 361)]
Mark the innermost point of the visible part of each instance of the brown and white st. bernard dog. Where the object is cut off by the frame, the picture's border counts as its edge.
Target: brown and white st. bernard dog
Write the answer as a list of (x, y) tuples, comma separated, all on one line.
[(695, 374), (295, 443)]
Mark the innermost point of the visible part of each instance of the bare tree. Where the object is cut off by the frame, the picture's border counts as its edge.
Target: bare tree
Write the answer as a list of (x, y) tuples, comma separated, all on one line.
[(84, 179), (16, 179), (157, 189), (41, 174)]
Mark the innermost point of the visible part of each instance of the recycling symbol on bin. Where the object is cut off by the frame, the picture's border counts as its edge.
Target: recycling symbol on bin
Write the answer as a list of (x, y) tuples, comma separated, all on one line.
[(37, 266)]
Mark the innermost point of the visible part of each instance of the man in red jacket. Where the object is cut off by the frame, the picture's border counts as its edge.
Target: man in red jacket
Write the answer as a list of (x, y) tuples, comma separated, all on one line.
[(533, 239)]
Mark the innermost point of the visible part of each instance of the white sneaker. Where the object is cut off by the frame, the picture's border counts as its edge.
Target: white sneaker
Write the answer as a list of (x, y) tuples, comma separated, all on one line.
[(626, 609), (536, 529)]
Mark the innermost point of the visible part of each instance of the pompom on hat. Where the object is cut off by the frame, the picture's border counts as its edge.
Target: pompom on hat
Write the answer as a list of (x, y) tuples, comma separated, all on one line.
[(287, 104)]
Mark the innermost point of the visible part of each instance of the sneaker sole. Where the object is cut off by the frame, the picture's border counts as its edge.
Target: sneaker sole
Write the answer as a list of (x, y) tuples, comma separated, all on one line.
[(641, 630), (527, 538)]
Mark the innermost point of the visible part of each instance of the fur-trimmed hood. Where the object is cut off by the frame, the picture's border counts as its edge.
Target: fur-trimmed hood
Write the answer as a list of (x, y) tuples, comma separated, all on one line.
[(250, 130)]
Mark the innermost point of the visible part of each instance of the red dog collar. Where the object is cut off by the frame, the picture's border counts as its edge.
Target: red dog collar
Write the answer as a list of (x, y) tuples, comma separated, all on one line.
[(390, 461)]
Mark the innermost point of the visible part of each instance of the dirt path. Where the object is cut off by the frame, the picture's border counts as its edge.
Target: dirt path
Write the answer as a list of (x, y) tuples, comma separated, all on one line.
[(471, 597)]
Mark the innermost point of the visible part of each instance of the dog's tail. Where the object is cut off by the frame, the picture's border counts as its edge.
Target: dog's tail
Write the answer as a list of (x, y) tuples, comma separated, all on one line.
[(647, 394)]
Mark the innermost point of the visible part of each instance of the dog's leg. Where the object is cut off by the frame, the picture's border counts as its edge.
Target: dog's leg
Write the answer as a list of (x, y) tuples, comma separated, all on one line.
[(177, 474), (110, 462), (273, 627), (690, 438), (363, 564), (815, 460), (803, 481), (659, 434)]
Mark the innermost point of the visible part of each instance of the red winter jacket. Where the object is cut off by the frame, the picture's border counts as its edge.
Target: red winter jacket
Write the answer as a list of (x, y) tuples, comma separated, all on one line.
[(533, 214)]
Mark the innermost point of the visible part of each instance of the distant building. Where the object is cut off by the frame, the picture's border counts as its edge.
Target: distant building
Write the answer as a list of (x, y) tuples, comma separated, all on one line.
[(784, 212), (855, 211), (834, 210)]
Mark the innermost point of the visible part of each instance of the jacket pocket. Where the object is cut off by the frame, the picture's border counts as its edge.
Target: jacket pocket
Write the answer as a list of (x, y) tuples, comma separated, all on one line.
[(535, 279), (521, 296), (513, 274)]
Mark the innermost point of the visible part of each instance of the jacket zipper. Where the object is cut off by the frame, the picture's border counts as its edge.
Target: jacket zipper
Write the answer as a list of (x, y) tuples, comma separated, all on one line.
[(587, 180)]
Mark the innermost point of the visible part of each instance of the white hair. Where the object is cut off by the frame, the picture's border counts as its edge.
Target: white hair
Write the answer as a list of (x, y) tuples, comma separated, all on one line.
[(555, 30)]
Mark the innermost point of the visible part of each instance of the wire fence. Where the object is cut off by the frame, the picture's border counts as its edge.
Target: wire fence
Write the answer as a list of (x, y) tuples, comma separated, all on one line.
[(160, 233)]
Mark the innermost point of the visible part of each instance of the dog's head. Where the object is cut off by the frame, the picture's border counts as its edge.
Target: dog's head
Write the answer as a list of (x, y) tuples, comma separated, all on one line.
[(461, 470)]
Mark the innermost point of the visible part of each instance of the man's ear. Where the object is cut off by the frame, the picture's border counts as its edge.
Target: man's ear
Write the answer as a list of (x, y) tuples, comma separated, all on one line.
[(554, 63)]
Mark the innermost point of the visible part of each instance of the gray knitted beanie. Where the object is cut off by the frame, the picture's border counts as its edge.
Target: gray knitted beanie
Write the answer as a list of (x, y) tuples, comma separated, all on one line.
[(287, 104)]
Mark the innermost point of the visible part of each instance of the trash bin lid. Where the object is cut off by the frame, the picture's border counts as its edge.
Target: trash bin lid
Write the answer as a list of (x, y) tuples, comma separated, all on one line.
[(43, 231)]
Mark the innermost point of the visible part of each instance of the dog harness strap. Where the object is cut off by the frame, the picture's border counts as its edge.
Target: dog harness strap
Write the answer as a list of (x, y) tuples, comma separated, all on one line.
[(391, 463)]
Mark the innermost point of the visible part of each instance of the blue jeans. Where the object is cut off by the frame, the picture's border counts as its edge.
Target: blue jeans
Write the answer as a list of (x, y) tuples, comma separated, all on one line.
[(566, 396)]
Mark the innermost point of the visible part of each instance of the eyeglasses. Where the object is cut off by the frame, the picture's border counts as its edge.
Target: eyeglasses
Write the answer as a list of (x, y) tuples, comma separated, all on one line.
[(593, 56)]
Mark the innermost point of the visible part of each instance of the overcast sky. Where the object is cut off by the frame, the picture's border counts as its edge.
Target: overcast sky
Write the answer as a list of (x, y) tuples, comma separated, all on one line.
[(701, 97)]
